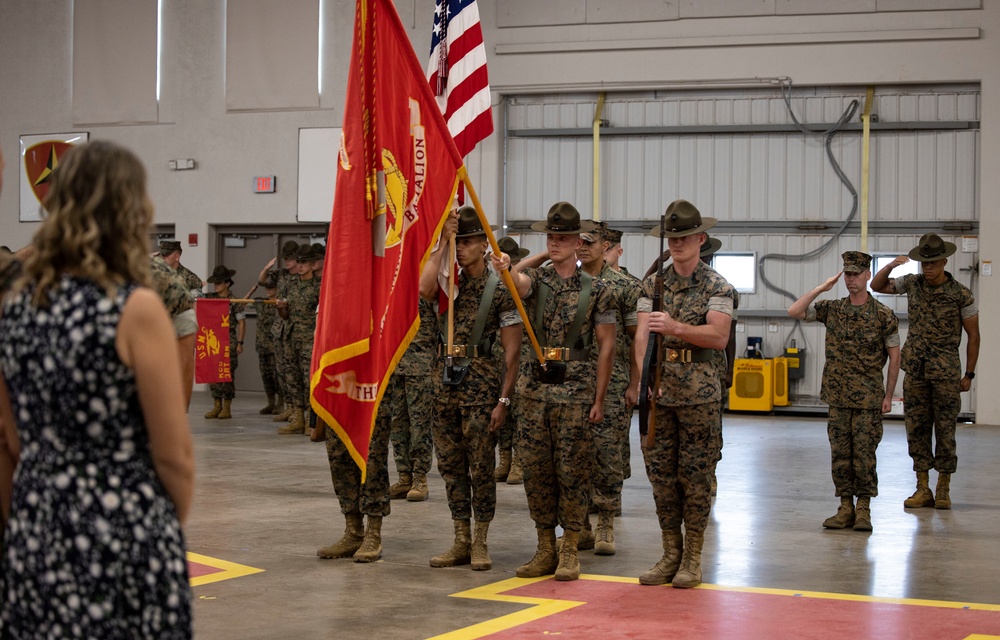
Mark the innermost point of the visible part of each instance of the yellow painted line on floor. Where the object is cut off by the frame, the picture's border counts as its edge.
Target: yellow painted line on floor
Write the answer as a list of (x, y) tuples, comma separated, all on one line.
[(543, 608), (546, 607), (227, 570)]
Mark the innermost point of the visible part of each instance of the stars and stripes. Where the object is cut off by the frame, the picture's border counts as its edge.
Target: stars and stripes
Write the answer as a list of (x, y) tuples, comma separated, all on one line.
[(457, 72)]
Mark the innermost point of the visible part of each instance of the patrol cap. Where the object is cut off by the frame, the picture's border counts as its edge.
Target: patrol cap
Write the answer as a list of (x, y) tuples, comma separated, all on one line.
[(509, 246), (563, 219), (288, 249), (614, 236), (931, 248), (682, 219), (305, 253), (169, 246), (856, 261), (221, 274)]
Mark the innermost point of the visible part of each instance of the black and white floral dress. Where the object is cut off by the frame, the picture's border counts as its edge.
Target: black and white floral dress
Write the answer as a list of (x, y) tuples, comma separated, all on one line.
[(93, 547)]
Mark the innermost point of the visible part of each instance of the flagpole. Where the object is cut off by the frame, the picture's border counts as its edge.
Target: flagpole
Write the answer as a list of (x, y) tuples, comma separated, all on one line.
[(451, 294), (507, 280)]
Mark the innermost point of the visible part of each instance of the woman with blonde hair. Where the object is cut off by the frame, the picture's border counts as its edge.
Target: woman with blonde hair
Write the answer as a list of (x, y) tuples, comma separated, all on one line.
[(93, 417)]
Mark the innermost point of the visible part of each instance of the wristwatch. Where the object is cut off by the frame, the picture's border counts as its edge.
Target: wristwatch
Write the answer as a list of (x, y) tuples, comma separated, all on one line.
[(504, 401), (971, 375), (239, 342)]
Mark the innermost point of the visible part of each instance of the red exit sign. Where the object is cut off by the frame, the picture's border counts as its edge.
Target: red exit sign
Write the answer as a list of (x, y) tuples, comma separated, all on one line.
[(263, 184)]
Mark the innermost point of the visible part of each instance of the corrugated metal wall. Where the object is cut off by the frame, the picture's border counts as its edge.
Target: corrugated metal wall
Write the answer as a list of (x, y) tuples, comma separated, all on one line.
[(760, 185)]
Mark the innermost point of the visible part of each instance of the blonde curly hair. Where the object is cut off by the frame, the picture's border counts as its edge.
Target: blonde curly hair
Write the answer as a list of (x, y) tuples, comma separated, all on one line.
[(98, 222)]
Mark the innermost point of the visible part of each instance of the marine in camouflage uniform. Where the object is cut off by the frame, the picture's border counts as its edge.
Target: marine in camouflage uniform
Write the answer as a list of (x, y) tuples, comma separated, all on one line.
[(861, 334), (470, 409), (224, 392), (282, 331), (611, 433), (10, 269), (267, 315), (299, 309), (170, 251), (408, 403), (179, 302), (361, 541), (555, 440), (939, 308), (696, 312)]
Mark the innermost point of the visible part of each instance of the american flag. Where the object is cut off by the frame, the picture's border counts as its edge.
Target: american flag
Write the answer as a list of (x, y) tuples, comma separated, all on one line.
[(457, 72)]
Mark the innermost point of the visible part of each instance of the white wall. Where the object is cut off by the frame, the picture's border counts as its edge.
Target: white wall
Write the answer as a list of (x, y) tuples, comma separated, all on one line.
[(870, 46)]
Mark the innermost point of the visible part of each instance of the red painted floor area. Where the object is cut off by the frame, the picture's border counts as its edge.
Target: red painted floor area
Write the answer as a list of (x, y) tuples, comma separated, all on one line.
[(197, 569), (624, 610)]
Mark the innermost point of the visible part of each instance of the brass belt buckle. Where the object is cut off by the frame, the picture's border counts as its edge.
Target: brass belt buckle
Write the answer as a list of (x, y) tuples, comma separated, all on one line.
[(552, 353), (457, 351)]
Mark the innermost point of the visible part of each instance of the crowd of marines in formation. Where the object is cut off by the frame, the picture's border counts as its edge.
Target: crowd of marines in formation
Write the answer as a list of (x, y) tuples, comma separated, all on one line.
[(563, 429)]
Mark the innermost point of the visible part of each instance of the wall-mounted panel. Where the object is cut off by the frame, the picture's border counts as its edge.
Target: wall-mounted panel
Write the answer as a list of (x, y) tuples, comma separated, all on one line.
[(531, 13), (603, 11)]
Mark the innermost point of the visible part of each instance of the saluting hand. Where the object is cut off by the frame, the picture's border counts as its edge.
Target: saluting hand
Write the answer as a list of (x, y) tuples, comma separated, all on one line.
[(899, 261), (830, 282)]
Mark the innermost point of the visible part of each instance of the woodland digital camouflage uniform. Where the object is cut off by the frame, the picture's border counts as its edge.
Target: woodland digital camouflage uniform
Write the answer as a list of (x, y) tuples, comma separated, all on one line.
[(609, 434), (372, 497), (189, 277), (284, 363), (175, 295), (724, 368), (555, 442), (303, 300), (932, 385), (626, 443), (267, 314), (409, 398), (681, 460), (858, 339), (237, 312), (462, 434)]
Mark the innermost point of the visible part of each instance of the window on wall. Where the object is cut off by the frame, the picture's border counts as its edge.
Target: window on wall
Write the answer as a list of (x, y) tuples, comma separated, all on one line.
[(740, 269), (879, 261), (115, 78), (272, 54)]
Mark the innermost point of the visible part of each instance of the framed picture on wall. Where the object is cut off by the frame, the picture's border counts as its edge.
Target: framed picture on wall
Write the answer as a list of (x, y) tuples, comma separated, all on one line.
[(40, 155)]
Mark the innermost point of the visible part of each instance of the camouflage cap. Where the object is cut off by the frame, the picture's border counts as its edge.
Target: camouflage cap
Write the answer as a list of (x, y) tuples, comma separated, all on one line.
[(614, 236), (856, 261), (288, 249), (169, 246)]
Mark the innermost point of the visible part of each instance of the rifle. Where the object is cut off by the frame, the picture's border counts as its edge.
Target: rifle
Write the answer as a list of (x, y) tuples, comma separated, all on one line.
[(650, 384)]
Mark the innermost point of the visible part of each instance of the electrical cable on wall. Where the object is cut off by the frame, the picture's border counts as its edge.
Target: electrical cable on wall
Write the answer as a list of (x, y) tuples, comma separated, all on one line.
[(786, 92)]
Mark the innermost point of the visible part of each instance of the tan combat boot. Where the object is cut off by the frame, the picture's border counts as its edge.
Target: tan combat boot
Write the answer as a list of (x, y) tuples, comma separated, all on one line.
[(503, 469), (371, 547), (354, 534), (296, 425), (215, 410), (664, 570), (418, 492), (461, 549), (604, 537), (863, 514), (585, 538), (480, 552), (279, 405), (569, 560), (516, 475), (844, 517), (942, 493), (401, 488), (689, 573), (226, 413), (269, 409), (545, 559), (284, 416), (922, 497)]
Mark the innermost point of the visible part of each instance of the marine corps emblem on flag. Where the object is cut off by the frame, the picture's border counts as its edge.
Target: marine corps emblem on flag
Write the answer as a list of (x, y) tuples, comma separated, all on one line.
[(212, 347), (40, 161)]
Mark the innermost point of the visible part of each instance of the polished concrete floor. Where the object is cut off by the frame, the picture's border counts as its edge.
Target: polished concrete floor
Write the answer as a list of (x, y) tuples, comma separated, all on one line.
[(266, 501)]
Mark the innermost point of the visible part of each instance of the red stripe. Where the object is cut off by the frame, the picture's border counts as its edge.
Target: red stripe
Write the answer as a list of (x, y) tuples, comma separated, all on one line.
[(463, 44), (478, 129), (459, 94)]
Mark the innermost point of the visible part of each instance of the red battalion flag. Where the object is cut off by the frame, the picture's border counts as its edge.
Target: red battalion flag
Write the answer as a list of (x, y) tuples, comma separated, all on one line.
[(398, 173), (212, 345), (457, 72)]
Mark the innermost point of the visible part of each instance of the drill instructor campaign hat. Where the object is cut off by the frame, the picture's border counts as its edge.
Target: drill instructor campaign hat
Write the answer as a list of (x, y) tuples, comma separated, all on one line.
[(288, 249), (683, 219), (710, 246), (469, 224), (563, 219), (509, 246), (931, 248), (222, 274)]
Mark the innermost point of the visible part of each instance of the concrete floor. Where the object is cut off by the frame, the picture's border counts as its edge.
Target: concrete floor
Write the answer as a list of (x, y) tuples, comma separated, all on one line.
[(266, 501)]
